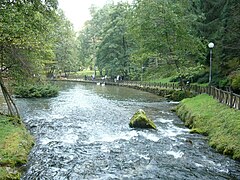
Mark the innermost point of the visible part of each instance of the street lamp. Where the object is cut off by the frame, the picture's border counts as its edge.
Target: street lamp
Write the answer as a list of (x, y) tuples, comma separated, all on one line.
[(210, 45), (142, 72)]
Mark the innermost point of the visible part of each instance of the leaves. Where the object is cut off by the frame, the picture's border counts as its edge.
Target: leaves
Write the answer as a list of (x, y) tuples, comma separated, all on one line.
[(121, 37), (221, 26), (24, 36), (65, 47)]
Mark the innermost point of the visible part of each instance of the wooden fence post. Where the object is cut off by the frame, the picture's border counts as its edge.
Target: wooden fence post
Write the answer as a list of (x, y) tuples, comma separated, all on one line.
[(238, 102), (231, 99)]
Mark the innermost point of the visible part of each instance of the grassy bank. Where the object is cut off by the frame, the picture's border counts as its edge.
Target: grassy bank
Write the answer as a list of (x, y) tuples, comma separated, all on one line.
[(220, 123), (15, 144)]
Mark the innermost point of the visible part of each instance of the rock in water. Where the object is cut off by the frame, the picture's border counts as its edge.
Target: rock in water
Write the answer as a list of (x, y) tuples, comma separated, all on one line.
[(140, 120)]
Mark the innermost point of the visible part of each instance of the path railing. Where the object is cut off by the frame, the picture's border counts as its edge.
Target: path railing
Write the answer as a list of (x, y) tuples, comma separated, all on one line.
[(229, 98)]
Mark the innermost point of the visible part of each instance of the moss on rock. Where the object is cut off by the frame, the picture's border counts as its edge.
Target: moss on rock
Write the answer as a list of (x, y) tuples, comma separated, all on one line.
[(140, 120)]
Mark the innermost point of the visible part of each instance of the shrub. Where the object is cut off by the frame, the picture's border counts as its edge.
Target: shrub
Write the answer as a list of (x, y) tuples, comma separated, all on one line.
[(180, 95), (235, 81), (36, 91)]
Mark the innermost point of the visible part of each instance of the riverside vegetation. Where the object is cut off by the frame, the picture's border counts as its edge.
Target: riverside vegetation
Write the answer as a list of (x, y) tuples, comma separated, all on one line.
[(205, 115), (15, 140), (114, 42), (35, 91), (15, 145)]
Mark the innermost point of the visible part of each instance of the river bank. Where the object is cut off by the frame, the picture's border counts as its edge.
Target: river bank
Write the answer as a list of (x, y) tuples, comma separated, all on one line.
[(204, 115), (15, 145), (84, 134), (221, 124)]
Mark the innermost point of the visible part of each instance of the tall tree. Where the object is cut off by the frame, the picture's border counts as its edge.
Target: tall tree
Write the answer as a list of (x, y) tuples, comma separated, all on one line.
[(91, 36), (24, 37), (221, 26), (113, 51), (65, 46), (164, 30)]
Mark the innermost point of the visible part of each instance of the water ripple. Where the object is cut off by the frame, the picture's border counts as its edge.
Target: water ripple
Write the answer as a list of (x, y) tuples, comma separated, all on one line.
[(83, 134)]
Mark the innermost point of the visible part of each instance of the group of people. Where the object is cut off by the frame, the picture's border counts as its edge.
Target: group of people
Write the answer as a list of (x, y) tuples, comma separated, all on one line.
[(104, 78)]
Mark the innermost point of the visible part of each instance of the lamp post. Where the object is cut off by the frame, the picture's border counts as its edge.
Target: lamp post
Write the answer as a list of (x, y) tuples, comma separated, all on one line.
[(210, 45), (142, 72)]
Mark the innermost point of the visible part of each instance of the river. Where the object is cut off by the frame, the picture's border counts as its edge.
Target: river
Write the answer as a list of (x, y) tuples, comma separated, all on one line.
[(84, 134)]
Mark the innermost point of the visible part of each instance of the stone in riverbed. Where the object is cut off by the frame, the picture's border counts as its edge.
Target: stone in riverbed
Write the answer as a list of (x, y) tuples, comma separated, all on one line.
[(140, 120)]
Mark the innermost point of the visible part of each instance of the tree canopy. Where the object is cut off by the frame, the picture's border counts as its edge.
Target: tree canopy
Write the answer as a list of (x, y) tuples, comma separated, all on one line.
[(150, 37), (33, 36), (165, 37)]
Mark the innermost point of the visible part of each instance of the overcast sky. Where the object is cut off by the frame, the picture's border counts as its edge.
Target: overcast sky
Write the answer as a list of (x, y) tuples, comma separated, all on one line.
[(77, 11)]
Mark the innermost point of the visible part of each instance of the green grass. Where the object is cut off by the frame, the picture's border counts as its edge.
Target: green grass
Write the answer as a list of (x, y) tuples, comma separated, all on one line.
[(207, 116), (81, 74), (162, 80), (84, 72), (15, 144)]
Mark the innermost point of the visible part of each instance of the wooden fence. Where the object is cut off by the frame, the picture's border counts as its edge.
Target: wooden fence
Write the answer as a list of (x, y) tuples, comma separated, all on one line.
[(229, 98)]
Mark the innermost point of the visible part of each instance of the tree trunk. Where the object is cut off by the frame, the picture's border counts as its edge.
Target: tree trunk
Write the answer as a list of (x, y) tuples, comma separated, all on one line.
[(12, 108)]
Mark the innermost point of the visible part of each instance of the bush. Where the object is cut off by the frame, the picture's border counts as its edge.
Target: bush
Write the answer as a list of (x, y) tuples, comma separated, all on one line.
[(223, 83), (180, 95), (235, 81), (203, 78), (36, 91)]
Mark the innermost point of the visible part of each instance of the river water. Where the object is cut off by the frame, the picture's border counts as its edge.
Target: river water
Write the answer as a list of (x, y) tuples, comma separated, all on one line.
[(84, 134)]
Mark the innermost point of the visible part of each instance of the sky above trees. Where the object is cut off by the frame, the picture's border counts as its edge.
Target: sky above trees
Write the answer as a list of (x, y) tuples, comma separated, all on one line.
[(78, 11)]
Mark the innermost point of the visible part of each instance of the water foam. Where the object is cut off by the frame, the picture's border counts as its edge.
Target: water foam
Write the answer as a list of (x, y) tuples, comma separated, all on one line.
[(175, 154), (151, 137), (113, 137)]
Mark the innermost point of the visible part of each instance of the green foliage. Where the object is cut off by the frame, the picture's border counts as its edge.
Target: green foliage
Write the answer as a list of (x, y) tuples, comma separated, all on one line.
[(218, 121), (65, 47), (164, 31), (165, 37), (180, 95), (202, 78), (122, 39), (25, 36), (161, 80), (221, 26), (36, 91), (109, 40), (15, 144), (35, 37), (235, 81)]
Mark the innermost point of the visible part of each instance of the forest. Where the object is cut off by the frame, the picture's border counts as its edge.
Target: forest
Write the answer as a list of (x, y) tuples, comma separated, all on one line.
[(143, 40)]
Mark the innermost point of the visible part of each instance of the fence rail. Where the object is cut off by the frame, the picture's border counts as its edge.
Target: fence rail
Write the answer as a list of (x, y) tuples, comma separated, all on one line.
[(225, 97)]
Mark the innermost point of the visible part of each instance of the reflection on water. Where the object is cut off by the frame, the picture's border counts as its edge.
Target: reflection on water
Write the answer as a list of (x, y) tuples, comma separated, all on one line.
[(83, 134)]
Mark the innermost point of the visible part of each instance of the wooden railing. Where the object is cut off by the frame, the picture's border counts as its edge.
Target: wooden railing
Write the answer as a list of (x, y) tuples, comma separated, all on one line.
[(229, 98)]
